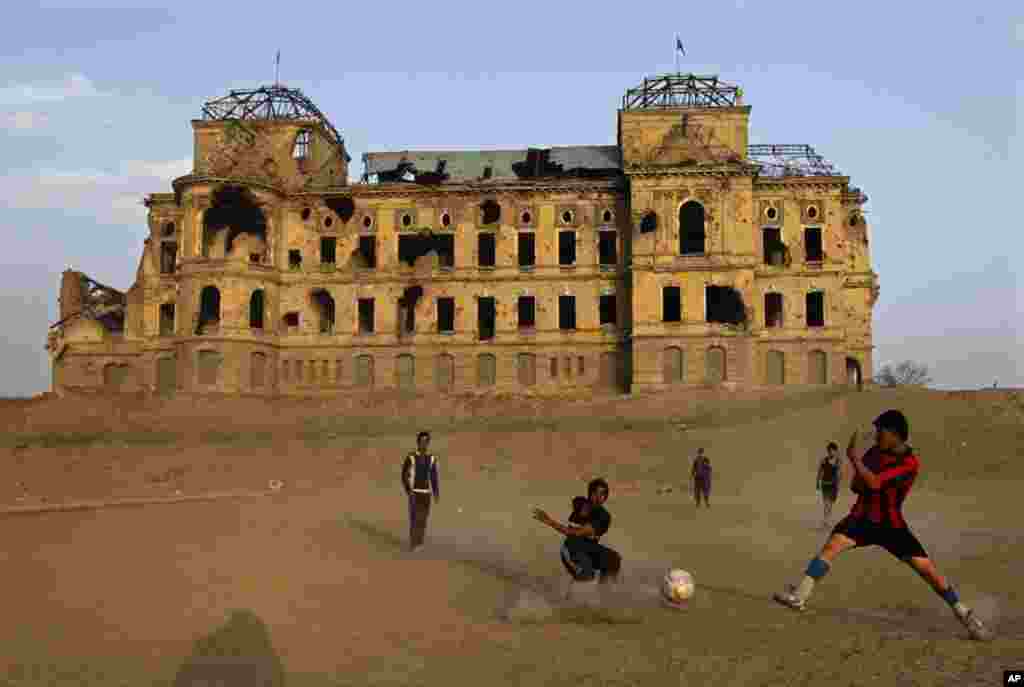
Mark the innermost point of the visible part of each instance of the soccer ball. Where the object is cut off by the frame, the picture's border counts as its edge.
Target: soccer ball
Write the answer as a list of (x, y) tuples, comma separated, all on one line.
[(677, 586)]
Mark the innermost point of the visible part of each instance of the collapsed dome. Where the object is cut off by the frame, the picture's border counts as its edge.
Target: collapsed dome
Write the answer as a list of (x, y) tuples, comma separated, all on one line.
[(682, 90), (269, 103)]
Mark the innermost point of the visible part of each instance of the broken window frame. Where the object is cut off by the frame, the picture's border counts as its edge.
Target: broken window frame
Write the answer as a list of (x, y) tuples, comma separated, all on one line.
[(567, 312), (671, 306), (294, 259), (687, 233), (772, 243), (819, 256), (485, 333), (371, 259), (567, 248), (526, 238), (490, 212), (287, 318), (603, 249), (486, 244), (327, 310), (607, 306), (708, 305), (445, 315), (259, 295), (527, 304), (817, 323), (328, 250), (302, 146), (168, 257), (167, 330), (365, 316), (771, 322)]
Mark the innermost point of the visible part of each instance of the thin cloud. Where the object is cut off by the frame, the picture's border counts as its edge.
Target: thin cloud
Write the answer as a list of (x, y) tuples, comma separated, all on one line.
[(37, 92), (23, 122), (112, 198)]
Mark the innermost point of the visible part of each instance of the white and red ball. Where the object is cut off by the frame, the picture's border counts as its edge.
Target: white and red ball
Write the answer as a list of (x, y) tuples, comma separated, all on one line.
[(677, 586)]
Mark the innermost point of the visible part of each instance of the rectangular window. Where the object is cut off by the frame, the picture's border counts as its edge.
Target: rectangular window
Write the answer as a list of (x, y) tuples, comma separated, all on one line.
[(168, 256), (773, 310), (444, 244), (566, 248), (328, 246), (167, 319), (607, 307), (816, 309), (566, 312), (485, 249), (774, 251), (294, 259), (366, 316), (446, 315), (671, 304), (368, 250), (527, 252), (485, 317), (527, 312), (607, 249), (812, 245)]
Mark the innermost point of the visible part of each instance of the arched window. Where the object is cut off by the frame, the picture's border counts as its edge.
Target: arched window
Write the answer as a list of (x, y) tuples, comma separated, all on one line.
[(301, 149), (691, 229), (256, 306), (209, 306)]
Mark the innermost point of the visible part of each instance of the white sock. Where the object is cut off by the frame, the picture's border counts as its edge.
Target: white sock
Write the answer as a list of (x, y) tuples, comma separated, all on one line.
[(804, 589), (960, 609)]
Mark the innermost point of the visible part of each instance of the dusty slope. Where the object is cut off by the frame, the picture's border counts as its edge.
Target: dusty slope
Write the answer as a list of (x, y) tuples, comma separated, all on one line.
[(129, 592)]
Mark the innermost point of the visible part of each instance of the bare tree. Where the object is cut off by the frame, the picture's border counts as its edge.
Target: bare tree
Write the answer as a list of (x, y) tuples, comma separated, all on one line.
[(907, 373)]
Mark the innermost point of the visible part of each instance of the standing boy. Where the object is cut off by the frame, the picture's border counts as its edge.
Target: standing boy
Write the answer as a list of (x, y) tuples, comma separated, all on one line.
[(701, 474), (419, 479), (828, 480), (882, 479)]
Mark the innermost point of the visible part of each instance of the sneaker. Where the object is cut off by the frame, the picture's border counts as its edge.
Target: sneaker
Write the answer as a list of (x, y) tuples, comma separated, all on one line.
[(975, 627), (789, 598)]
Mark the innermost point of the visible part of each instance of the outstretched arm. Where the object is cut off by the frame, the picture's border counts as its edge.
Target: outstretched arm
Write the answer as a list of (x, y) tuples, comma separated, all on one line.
[(876, 481), (566, 530)]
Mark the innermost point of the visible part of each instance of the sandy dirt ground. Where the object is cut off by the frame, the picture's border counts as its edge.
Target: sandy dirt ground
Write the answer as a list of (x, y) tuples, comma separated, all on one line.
[(309, 584)]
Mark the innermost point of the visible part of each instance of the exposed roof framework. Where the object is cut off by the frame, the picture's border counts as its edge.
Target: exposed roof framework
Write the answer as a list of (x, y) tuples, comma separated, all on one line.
[(99, 302), (790, 160), (681, 90), (268, 102)]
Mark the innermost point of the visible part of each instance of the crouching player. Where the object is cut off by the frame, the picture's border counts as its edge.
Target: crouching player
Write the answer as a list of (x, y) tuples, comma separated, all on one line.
[(583, 557), (882, 479)]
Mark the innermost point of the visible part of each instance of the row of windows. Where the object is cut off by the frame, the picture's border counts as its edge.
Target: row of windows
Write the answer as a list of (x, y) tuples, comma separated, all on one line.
[(721, 305), (413, 246), (716, 369), (489, 212)]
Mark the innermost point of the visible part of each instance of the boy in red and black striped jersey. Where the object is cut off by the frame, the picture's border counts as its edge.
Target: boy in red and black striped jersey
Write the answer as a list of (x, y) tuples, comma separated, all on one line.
[(882, 479)]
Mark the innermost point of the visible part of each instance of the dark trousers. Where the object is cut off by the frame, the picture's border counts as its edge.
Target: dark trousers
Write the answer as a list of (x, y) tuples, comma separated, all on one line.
[(584, 558), (701, 487), (419, 511)]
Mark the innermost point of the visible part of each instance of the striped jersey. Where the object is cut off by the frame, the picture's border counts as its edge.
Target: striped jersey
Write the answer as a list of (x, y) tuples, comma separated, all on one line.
[(897, 472)]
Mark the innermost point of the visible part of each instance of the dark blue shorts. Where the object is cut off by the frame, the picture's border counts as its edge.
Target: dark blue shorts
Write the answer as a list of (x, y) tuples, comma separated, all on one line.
[(899, 541)]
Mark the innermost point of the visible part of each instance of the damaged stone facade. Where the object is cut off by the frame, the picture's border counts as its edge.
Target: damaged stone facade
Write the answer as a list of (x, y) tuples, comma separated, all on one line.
[(672, 259)]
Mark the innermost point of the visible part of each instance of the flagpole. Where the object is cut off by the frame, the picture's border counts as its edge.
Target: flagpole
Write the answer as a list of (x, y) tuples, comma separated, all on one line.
[(277, 69), (675, 52)]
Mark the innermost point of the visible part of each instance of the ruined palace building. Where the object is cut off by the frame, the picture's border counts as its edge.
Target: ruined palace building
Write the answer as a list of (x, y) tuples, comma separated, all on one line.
[(681, 256)]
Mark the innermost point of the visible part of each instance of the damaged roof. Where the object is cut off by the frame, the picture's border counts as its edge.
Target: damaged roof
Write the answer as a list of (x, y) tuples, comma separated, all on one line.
[(472, 165)]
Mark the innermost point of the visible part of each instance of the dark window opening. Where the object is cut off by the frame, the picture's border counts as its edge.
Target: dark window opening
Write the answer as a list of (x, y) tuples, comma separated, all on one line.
[(579, 364), (607, 309), (490, 212), (691, 229), (567, 217), (168, 257), (167, 319), (255, 258), (168, 230), (486, 317), (367, 221), (607, 250), (233, 212), (774, 248), (446, 220), (406, 220), (328, 221), (527, 312), (554, 368), (527, 249), (525, 218), (485, 249), (567, 312), (294, 259), (343, 207), (209, 306), (325, 307), (291, 319), (566, 248), (256, 309), (648, 223), (328, 246), (368, 251), (671, 304), (813, 248), (816, 309), (446, 314), (724, 305), (488, 172), (606, 216), (407, 310), (306, 212), (301, 149), (412, 247), (773, 310), (366, 316)]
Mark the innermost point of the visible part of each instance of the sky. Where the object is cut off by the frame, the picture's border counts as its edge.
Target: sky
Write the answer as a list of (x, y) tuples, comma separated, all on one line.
[(919, 103)]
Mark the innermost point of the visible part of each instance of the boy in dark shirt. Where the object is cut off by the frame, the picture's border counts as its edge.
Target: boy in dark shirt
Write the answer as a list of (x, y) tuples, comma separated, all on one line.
[(582, 555), (420, 480), (828, 479), (701, 474)]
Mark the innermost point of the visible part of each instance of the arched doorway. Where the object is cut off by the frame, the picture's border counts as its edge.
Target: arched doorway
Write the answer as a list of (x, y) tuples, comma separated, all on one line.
[(715, 366)]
